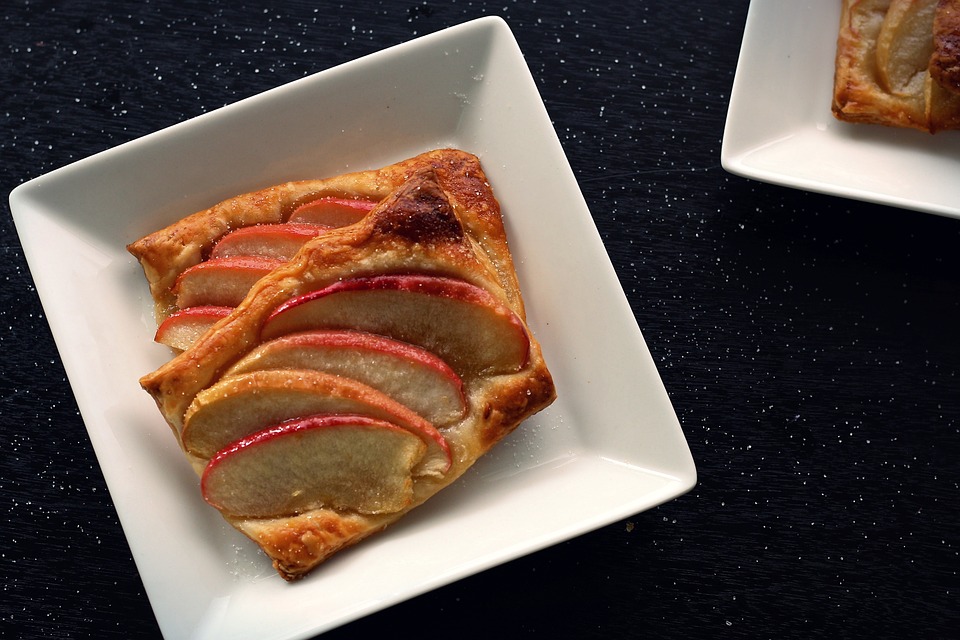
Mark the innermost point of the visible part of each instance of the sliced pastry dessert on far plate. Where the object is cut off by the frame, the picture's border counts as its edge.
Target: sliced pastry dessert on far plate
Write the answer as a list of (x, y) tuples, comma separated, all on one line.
[(898, 64)]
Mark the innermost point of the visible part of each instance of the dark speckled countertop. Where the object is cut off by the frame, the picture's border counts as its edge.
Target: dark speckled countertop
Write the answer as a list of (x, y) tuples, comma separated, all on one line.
[(808, 343)]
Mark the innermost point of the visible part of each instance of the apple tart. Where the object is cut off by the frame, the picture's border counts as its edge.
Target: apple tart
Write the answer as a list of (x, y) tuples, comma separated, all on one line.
[(344, 348), (898, 64)]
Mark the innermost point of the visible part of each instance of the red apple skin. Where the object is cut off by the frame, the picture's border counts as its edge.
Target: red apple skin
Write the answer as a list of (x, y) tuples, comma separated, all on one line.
[(328, 460), (239, 405), (277, 241), (221, 282), (332, 211), (410, 374), (460, 322), (181, 329)]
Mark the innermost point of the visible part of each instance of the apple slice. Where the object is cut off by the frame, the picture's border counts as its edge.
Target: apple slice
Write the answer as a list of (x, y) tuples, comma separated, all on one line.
[(460, 322), (411, 375), (904, 45), (332, 211), (182, 328), (221, 282), (278, 241), (238, 406), (338, 461)]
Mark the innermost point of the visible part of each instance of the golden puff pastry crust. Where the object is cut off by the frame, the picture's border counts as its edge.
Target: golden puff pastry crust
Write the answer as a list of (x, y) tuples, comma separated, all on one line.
[(895, 64), (436, 216)]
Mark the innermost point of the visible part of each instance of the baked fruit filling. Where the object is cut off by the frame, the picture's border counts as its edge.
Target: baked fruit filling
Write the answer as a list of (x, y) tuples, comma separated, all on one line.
[(343, 348), (898, 63)]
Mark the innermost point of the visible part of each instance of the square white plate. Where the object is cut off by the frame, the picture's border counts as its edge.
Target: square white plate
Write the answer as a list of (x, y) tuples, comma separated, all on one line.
[(780, 128), (611, 445)]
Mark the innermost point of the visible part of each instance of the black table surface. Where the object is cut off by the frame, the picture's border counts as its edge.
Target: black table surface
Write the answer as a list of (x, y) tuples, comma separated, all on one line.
[(808, 342)]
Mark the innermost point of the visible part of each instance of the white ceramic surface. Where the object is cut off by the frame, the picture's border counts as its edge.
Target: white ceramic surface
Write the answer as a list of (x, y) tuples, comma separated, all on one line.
[(611, 445), (780, 128)]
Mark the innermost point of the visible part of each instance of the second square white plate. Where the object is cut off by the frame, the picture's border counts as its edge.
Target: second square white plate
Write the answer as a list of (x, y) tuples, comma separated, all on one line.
[(780, 129)]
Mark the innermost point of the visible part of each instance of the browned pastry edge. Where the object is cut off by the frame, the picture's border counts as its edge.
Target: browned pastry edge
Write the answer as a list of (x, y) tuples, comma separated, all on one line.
[(945, 61)]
